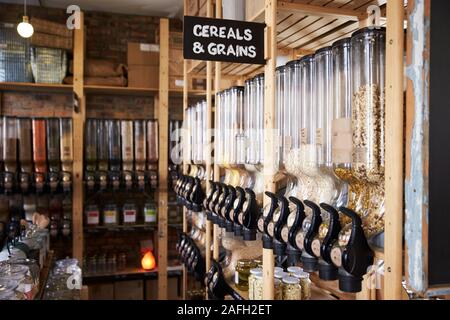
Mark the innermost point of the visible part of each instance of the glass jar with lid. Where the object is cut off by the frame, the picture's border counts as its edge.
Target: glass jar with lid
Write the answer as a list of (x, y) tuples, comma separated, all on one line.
[(251, 282), (129, 214), (278, 289), (110, 215), (292, 289), (150, 213), (92, 215), (258, 287), (254, 120), (283, 125), (368, 118), (243, 267), (219, 133), (90, 144), (305, 283)]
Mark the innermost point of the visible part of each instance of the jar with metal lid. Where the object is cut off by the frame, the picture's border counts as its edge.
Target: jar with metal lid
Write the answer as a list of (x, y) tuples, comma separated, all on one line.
[(292, 289), (92, 214), (278, 289), (149, 213), (251, 282), (280, 275), (129, 214), (305, 283), (258, 287), (110, 215), (242, 273), (293, 270), (259, 262)]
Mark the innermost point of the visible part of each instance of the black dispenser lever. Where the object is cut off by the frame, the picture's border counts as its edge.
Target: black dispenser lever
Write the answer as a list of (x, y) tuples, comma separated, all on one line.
[(280, 219), (310, 229), (237, 209), (265, 220)]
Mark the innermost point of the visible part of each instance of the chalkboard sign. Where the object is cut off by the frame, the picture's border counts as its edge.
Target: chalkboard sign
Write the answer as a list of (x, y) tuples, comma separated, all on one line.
[(223, 40)]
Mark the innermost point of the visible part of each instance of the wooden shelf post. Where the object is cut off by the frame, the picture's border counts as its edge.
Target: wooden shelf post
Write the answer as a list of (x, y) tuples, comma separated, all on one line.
[(394, 151), (217, 76), (79, 117), (269, 121), (163, 168)]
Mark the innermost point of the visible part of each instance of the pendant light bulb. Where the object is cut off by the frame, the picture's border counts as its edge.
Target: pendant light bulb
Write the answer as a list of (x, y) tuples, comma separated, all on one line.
[(25, 29)]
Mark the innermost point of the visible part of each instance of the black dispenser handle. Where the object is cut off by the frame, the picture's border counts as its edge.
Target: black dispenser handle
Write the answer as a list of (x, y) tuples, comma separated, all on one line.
[(299, 217), (357, 255), (333, 232), (316, 220), (284, 212)]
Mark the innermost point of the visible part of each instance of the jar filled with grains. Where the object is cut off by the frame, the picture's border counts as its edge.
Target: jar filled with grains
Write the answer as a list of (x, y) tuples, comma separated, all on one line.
[(278, 292), (305, 283), (251, 282), (258, 287), (292, 289), (292, 270)]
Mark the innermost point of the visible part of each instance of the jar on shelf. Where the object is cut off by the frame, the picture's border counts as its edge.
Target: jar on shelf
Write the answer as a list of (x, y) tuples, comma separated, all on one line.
[(368, 119), (278, 289), (110, 215), (243, 267), (253, 118), (293, 270), (258, 287), (219, 132), (129, 214), (150, 216), (305, 283), (292, 289), (283, 124), (251, 282), (92, 215)]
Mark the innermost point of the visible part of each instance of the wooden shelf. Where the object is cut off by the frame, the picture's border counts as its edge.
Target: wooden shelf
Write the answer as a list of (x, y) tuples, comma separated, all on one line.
[(130, 272), (91, 89), (125, 228), (36, 87)]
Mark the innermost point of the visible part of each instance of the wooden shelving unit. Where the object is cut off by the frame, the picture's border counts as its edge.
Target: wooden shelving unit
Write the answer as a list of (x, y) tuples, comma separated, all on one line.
[(300, 28), (36, 87)]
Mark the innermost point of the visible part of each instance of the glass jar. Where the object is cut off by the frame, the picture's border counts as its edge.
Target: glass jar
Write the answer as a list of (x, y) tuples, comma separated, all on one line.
[(19, 274), (103, 144), (293, 270), (92, 215), (218, 129), (114, 150), (140, 145), (292, 289), (53, 147), (129, 214), (66, 146), (258, 287), (368, 120), (242, 273), (39, 146), (278, 289), (126, 131), (10, 144), (152, 142), (110, 215), (90, 145), (305, 283), (25, 148), (251, 282), (150, 213), (283, 126), (254, 119)]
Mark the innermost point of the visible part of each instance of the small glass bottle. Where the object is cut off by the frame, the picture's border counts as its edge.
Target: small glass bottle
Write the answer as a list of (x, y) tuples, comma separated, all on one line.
[(242, 273), (292, 289), (149, 213), (92, 214), (305, 283), (251, 282), (110, 215), (129, 214)]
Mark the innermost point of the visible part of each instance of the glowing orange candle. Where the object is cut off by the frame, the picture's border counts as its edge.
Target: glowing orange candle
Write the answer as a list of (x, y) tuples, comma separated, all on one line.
[(148, 261)]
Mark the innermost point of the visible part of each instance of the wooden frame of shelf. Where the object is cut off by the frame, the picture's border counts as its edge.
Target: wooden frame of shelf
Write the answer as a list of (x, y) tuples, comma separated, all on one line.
[(36, 87), (299, 29)]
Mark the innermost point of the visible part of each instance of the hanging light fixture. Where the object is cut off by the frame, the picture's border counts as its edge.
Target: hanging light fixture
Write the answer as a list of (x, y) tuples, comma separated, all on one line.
[(25, 29)]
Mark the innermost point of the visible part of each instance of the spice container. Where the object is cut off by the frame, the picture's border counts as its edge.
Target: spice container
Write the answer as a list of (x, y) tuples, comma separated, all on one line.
[(150, 213), (242, 273), (110, 215), (92, 215), (258, 287), (292, 289), (90, 145), (129, 214), (305, 283), (251, 282), (368, 119)]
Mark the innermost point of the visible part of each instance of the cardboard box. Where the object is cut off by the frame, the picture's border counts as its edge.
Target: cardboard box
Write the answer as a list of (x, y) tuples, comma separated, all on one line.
[(143, 76), (49, 27), (144, 54), (192, 8), (129, 290), (252, 8)]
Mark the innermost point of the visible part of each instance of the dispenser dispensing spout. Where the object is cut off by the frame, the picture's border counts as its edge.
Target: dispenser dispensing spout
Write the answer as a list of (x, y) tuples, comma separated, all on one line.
[(265, 224), (279, 220), (237, 209), (310, 229)]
